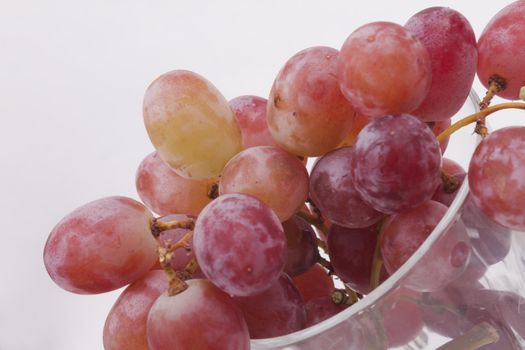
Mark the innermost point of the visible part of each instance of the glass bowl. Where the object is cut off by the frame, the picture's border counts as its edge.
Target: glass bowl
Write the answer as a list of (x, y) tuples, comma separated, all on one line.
[(480, 304)]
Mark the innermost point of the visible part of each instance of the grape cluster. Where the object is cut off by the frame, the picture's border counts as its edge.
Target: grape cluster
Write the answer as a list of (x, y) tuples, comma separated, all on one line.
[(247, 243)]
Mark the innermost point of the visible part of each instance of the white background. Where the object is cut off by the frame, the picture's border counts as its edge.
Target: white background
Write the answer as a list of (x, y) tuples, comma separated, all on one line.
[(72, 77)]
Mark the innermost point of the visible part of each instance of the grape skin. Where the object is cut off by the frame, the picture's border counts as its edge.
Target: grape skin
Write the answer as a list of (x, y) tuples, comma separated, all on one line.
[(200, 317), (333, 191), (190, 124), (307, 114), (250, 113), (396, 163), (320, 309), (239, 244), (301, 246), (277, 311), (403, 233), (496, 177), (125, 326), (101, 246), (270, 174), (501, 49), (370, 64), (314, 283), (166, 192), (451, 43)]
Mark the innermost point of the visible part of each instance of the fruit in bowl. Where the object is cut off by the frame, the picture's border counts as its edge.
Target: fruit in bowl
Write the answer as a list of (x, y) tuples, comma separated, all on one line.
[(230, 178)]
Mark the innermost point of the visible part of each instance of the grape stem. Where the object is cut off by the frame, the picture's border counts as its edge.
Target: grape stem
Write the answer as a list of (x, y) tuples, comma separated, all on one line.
[(157, 226), (480, 335), (315, 220), (476, 116), (176, 279), (496, 84)]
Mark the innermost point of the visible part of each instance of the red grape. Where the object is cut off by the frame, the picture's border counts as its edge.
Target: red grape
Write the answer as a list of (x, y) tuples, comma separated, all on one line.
[(101, 246), (279, 310), (314, 283), (239, 244), (301, 246), (501, 49), (496, 177), (125, 326), (307, 114), (403, 233), (200, 317), (371, 63), (457, 174), (166, 192), (320, 309), (250, 113), (396, 163), (333, 192), (270, 174), (451, 43)]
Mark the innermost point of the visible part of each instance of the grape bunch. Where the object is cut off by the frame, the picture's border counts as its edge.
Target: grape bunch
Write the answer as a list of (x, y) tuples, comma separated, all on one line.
[(261, 217)]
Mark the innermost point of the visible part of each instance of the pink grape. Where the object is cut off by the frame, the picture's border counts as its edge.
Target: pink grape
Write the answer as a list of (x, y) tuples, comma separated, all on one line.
[(496, 177), (451, 43), (314, 283), (307, 114), (384, 69), (239, 244), (491, 241), (501, 50), (101, 246), (333, 192), (190, 124), (165, 192), (125, 326), (270, 174), (396, 163), (403, 233), (301, 246), (277, 311), (320, 309), (402, 317), (250, 113), (201, 317), (351, 254), (458, 174)]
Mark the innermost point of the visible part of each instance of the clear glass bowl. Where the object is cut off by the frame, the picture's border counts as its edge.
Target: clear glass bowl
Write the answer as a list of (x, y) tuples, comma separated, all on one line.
[(453, 316)]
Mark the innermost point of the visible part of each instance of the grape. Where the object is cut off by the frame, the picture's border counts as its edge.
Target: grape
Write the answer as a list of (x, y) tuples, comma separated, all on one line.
[(201, 317), (314, 283), (250, 113), (239, 244), (165, 192), (301, 246), (501, 50), (396, 163), (270, 174), (101, 246), (307, 114), (190, 124), (496, 177), (456, 173), (333, 192), (320, 309), (402, 317), (351, 254), (384, 69), (403, 233), (125, 326), (451, 43), (491, 240), (279, 310)]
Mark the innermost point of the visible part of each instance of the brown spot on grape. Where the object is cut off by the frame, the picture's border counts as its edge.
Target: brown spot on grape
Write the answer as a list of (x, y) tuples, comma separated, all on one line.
[(371, 38)]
